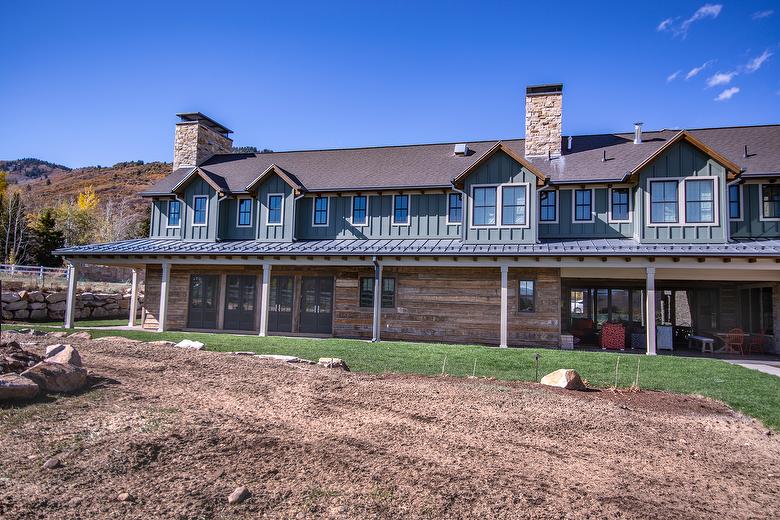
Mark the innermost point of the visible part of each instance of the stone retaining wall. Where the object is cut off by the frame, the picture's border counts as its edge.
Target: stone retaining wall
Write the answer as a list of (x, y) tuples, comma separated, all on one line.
[(45, 305)]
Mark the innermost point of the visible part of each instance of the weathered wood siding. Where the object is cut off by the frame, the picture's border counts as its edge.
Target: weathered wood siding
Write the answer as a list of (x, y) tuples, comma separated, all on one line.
[(751, 225)]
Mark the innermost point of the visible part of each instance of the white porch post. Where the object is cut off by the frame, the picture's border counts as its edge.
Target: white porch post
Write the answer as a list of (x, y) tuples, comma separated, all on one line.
[(504, 303), (70, 304), (377, 322), (133, 298), (164, 283), (650, 311), (265, 289)]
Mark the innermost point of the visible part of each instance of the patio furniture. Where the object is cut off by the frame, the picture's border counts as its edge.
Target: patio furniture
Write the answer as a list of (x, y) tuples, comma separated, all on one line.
[(582, 329), (638, 340), (613, 336), (757, 342), (664, 337), (735, 339), (707, 344)]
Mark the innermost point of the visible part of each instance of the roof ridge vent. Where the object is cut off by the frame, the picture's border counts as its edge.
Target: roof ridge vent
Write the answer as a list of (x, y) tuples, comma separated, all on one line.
[(462, 149)]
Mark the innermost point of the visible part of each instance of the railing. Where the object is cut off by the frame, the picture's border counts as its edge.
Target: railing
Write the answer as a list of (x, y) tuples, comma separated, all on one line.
[(33, 271)]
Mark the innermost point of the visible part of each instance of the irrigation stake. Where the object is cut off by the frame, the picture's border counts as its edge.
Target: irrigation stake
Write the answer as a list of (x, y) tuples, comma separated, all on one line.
[(444, 364), (636, 379), (536, 363), (617, 366), (474, 371)]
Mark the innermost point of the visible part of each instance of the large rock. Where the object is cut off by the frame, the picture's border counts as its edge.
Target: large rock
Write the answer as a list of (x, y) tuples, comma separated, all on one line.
[(161, 343), (81, 335), (36, 305), (188, 343), (63, 354), (57, 377), (36, 296), (239, 495), (15, 306), (57, 306), (329, 362), (56, 297), (8, 315), (100, 312), (38, 314), (15, 387), (286, 359), (564, 378), (21, 315), (9, 297)]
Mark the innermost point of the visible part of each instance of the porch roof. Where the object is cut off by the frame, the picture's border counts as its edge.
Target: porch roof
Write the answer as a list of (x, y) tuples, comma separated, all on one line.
[(425, 247)]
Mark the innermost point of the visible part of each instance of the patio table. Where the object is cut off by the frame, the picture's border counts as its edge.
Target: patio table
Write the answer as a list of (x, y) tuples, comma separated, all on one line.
[(707, 344), (723, 336)]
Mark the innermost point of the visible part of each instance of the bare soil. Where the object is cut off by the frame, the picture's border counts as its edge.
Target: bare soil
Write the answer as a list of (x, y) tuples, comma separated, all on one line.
[(180, 430)]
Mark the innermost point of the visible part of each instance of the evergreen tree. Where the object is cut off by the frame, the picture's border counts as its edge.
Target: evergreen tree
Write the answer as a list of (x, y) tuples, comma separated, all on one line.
[(45, 239)]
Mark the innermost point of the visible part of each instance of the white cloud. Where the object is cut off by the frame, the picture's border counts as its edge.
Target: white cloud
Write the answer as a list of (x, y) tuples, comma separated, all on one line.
[(721, 78), (673, 76), (695, 71), (727, 94), (758, 15), (665, 24), (705, 11), (755, 64)]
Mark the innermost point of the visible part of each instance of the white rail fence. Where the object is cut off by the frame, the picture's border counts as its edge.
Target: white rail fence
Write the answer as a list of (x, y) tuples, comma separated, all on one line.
[(36, 271)]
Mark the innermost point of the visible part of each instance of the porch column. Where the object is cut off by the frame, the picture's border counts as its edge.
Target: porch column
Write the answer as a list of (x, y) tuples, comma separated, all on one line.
[(164, 283), (70, 303), (264, 292), (650, 311), (504, 303), (133, 299), (377, 322)]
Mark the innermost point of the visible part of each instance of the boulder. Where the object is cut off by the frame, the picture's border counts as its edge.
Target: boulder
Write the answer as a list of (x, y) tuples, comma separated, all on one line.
[(55, 315), (279, 357), (38, 314), (328, 362), (161, 343), (52, 463), (56, 297), (564, 378), (7, 315), (23, 294), (36, 305), (9, 297), (14, 387), (86, 296), (57, 377), (188, 343), (36, 296), (63, 354), (15, 306), (57, 306), (239, 495), (57, 334), (118, 338), (100, 312), (81, 335), (21, 315)]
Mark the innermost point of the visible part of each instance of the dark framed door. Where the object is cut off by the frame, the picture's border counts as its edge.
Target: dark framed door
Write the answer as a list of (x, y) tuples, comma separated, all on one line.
[(202, 304), (240, 298), (280, 304), (317, 305)]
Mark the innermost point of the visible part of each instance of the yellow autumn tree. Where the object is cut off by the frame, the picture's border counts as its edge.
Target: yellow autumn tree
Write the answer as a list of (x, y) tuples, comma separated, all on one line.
[(77, 218), (87, 200)]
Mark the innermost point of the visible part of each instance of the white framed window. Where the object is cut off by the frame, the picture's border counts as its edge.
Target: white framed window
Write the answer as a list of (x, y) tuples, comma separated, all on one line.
[(359, 215), (735, 202), (483, 205), (400, 210), (514, 205), (548, 207), (582, 205), (174, 214), (200, 210), (619, 205), (770, 202), (664, 203), (275, 209), (320, 209), (700, 201), (244, 212), (454, 208)]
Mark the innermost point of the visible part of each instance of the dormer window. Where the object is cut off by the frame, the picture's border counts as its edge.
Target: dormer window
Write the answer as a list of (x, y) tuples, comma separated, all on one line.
[(770, 201), (275, 202), (244, 212), (700, 201), (484, 213), (200, 205), (663, 202), (513, 205), (174, 214)]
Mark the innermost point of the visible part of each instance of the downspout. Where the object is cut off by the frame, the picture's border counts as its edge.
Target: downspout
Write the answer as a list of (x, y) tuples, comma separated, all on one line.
[(295, 212), (377, 318)]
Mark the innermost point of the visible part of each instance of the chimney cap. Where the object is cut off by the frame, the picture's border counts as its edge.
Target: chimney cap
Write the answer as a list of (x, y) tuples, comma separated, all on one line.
[(198, 117), (541, 90)]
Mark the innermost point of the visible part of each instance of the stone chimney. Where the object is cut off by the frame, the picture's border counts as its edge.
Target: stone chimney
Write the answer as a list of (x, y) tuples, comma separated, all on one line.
[(543, 113), (198, 137)]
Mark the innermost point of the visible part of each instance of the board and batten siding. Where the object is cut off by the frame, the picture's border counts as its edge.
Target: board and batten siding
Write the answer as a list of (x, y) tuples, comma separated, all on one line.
[(750, 224), (682, 160), (601, 227), (158, 223), (427, 218), (275, 233), (501, 169), (201, 233)]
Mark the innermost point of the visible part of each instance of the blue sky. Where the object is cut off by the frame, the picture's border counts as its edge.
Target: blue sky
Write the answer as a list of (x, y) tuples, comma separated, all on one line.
[(84, 83)]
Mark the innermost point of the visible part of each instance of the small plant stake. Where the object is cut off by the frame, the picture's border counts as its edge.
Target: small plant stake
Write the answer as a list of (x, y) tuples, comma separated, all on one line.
[(536, 363), (617, 367), (444, 364), (474, 371), (636, 379)]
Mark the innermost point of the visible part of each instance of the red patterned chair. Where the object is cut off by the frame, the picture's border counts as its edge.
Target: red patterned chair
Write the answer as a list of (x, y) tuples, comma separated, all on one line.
[(613, 336)]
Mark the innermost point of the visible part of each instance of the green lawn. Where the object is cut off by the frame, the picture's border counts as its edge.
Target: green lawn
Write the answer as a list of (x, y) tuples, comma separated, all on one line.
[(749, 391)]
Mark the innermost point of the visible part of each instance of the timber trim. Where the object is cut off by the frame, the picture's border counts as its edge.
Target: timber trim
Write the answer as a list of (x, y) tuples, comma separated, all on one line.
[(500, 146)]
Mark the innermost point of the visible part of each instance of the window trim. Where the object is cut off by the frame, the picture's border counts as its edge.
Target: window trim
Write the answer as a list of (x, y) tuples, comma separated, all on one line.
[(557, 199), (574, 206), (740, 192), (408, 210), (268, 210), (360, 291), (682, 217), (238, 212), (761, 216), (314, 210), (715, 216), (533, 295), (352, 211), (612, 220), (168, 213), (649, 203), (451, 222), (499, 206), (206, 220)]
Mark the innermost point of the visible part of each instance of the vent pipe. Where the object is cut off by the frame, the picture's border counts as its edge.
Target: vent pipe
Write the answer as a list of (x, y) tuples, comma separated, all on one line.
[(637, 133), (570, 141)]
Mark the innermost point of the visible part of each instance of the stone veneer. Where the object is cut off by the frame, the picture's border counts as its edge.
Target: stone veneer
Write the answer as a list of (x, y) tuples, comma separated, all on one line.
[(543, 114), (195, 143)]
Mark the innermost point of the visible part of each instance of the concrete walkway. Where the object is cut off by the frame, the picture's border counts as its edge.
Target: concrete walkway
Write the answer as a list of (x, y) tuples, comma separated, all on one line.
[(767, 367)]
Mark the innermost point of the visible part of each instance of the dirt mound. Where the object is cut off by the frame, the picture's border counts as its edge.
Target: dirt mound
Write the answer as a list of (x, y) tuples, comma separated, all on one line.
[(180, 430)]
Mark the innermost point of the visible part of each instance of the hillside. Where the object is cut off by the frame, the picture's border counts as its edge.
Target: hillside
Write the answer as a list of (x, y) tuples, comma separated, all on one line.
[(122, 181), (21, 170)]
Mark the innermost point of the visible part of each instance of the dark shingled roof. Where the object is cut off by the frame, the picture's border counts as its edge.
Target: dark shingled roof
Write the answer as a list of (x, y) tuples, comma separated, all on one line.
[(435, 165), (420, 247)]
